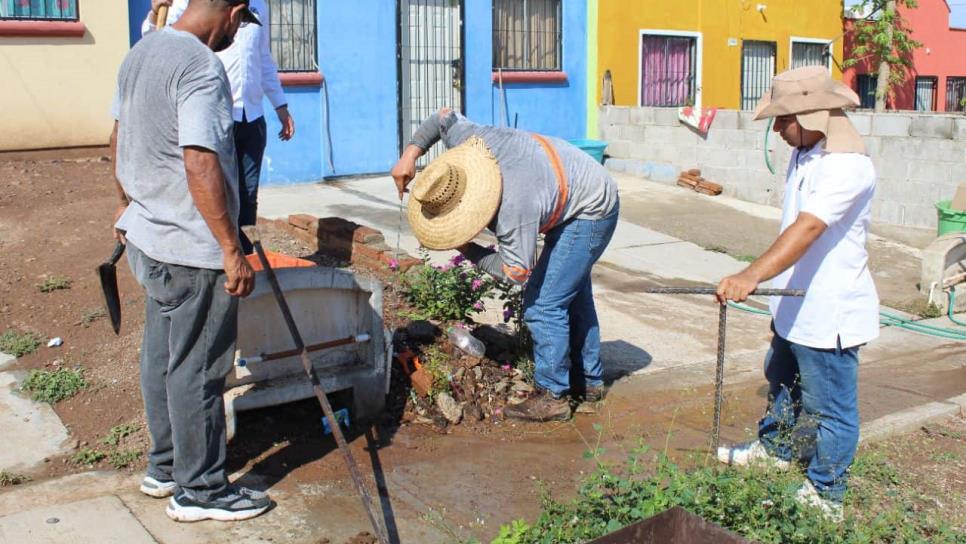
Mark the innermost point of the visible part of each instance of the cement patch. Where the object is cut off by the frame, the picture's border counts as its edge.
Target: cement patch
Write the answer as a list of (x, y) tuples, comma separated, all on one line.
[(32, 431), (104, 520)]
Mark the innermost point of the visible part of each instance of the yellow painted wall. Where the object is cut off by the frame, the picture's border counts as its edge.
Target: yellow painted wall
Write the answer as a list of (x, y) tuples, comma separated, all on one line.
[(56, 91), (620, 23)]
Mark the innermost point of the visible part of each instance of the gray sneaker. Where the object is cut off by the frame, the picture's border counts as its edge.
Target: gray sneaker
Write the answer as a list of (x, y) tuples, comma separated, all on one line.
[(809, 496), (234, 504), (158, 489), (753, 453)]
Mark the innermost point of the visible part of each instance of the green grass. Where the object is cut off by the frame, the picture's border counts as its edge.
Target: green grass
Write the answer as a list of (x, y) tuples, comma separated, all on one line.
[(746, 258), (87, 456), (118, 433), (437, 364), (123, 458), (54, 386), (90, 315), (756, 503), (12, 478), (18, 344), (54, 283)]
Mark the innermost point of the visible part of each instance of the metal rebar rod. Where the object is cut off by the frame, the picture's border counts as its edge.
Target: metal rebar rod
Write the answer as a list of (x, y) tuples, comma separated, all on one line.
[(719, 377), (713, 290), (360, 485)]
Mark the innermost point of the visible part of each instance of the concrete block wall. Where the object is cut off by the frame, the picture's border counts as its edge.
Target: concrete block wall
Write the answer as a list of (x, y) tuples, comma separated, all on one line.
[(920, 159)]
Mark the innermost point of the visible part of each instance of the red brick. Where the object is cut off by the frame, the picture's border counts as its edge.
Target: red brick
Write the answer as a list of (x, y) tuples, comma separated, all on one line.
[(371, 251), (337, 225), (408, 262), (367, 235), (304, 221)]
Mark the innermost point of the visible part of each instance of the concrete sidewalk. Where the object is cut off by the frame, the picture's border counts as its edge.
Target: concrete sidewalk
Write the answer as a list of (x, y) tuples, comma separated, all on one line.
[(658, 349)]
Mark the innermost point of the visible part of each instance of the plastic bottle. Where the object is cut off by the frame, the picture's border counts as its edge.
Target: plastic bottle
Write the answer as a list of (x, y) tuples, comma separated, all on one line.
[(466, 342)]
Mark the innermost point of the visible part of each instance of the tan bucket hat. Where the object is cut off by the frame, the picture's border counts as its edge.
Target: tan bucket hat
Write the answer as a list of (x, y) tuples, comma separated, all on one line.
[(817, 100), (456, 196)]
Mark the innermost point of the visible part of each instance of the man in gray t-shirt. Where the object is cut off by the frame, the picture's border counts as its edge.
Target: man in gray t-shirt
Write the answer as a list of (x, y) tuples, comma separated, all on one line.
[(176, 180)]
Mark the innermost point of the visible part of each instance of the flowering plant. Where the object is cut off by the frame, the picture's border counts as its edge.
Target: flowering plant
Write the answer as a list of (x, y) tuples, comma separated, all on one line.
[(451, 291)]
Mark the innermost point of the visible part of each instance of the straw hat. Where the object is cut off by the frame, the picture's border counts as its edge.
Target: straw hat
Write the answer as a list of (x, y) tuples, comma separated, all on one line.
[(456, 196), (817, 100)]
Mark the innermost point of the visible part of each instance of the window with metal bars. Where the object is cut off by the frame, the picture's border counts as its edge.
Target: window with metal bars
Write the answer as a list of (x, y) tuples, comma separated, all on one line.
[(668, 67), (38, 10), (293, 35), (866, 85), (810, 54), (956, 93), (757, 69), (926, 93), (527, 35)]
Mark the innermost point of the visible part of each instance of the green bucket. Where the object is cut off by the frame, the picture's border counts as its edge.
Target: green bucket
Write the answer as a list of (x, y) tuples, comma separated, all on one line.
[(950, 220), (594, 148)]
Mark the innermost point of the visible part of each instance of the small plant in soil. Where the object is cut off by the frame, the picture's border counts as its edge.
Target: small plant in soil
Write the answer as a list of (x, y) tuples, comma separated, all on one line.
[(118, 433), (930, 311), (54, 386), (18, 344), (54, 283), (87, 456), (449, 292), (12, 478), (437, 364), (91, 315), (123, 458)]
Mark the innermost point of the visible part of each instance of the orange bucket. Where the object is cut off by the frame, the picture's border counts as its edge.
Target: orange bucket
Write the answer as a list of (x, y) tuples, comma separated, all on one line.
[(278, 260)]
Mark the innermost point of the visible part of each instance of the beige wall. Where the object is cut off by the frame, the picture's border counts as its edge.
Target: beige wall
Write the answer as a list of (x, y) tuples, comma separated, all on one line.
[(56, 91)]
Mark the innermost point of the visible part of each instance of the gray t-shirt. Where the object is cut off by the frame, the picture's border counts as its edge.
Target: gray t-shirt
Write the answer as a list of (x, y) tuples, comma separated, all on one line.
[(172, 92), (530, 188)]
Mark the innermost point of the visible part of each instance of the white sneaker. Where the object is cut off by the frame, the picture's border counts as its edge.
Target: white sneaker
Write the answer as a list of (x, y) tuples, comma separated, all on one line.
[(751, 454), (158, 489), (808, 496)]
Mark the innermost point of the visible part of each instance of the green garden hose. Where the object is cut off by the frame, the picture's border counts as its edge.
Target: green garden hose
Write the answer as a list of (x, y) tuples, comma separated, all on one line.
[(952, 304), (891, 320)]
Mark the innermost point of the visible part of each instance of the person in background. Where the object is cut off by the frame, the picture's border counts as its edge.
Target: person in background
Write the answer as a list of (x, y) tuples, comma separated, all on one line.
[(812, 366), (253, 75), (520, 185), (177, 186)]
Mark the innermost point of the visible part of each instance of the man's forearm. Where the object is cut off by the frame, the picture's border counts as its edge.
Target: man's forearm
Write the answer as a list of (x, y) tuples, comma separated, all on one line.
[(121, 195), (428, 133), (206, 183), (788, 248)]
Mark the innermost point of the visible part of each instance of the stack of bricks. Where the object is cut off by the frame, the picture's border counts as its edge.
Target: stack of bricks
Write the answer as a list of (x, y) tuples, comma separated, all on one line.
[(343, 239)]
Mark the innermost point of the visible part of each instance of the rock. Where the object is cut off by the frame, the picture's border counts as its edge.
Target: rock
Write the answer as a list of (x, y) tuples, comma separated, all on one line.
[(422, 331), (458, 375), (501, 386), (472, 412), (477, 374), (471, 362), (449, 407)]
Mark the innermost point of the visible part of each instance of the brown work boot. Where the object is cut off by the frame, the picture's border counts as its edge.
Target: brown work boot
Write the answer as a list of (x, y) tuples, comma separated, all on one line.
[(589, 400), (541, 405)]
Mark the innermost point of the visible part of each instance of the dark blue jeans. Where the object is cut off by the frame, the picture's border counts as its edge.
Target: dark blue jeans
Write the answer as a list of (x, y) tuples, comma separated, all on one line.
[(250, 140), (822, 383), (558, 306)]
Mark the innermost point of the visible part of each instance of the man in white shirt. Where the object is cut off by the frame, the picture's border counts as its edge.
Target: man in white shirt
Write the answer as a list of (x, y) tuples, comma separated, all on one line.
[(253, 75), (812, 366)]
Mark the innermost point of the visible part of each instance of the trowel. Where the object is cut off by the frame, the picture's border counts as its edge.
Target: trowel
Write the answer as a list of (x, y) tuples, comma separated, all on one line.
[(107, 272)]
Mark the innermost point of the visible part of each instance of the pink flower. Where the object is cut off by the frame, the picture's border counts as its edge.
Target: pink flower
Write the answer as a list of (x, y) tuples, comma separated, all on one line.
[(507, 313), (457, 260), (478, 306), (477, 283), (393, 264), (506, 367)]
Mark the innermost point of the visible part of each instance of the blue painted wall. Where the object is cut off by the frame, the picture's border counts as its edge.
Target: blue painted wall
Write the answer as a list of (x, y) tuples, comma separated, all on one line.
[(357, 55)]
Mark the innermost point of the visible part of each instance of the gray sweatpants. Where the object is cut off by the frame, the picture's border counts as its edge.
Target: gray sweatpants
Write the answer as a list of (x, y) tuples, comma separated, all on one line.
[(188, 348)]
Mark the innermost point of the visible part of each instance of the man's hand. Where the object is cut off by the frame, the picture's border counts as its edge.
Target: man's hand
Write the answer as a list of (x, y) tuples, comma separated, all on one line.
[(405, 169), (241, 277), (119, 234), (288, 124), (737, 287), (155, 5)]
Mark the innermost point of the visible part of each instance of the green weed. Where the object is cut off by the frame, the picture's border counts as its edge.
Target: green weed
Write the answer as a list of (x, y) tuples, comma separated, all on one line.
[(12, 478), (90, 315), (746, 258), (54, 283), (123, 458), (117, 433), (18, 344), (436, 362), (53, 387), (87, 456)]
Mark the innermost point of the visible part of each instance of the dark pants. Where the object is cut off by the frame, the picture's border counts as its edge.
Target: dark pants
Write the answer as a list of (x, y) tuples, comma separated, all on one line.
[(250, 140), (188, 348)]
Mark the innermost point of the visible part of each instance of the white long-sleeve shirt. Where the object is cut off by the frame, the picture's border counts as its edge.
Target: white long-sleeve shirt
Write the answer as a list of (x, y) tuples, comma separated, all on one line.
[(251, 69)]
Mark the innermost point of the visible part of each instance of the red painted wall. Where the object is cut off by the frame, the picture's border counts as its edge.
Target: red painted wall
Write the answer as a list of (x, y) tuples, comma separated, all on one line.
[(943, 53)]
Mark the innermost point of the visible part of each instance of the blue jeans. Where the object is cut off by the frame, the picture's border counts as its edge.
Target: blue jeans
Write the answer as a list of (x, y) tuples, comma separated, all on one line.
[(824, 384), (250, 140), (558, 306)]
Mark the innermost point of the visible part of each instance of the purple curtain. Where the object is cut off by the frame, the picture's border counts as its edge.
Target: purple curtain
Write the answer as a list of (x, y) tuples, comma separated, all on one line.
[(667, 71)]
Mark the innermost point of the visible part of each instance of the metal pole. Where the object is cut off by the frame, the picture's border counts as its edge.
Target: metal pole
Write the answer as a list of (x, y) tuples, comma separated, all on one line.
[(712, 290), (719, 377), (317, 387)]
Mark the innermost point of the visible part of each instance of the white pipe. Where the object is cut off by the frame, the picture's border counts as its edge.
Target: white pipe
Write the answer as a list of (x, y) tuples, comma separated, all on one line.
[(932, 289)]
